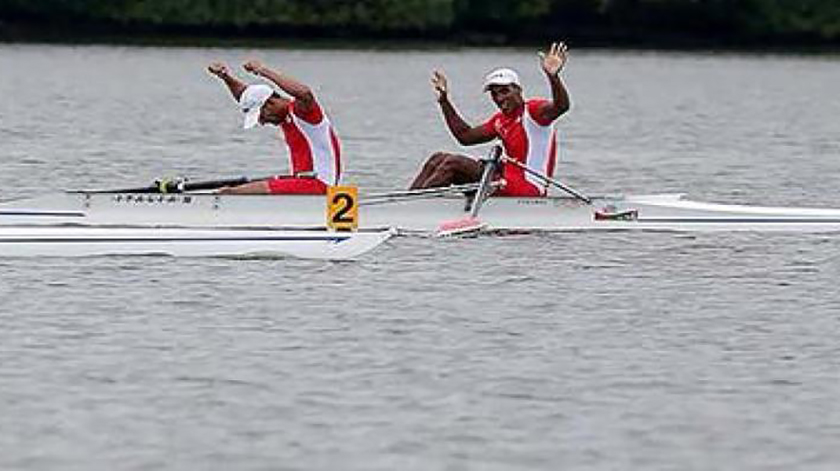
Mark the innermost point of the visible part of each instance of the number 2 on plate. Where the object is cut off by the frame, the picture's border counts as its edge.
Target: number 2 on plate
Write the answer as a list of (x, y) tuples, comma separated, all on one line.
[(343, 208)]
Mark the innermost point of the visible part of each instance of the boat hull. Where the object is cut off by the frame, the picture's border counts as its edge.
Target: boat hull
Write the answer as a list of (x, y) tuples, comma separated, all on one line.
[(669, 212), (77, 241)]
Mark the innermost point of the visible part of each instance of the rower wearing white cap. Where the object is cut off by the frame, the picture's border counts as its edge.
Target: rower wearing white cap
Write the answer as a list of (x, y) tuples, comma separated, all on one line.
[(525, 127), (314, 148)]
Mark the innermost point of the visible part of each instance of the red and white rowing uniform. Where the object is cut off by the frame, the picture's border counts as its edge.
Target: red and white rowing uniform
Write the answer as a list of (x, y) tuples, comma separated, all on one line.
[(530, 139), (314, 148)]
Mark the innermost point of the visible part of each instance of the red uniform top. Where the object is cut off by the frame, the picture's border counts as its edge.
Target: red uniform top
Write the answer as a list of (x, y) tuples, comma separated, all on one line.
[(313, 144), (530, 139)]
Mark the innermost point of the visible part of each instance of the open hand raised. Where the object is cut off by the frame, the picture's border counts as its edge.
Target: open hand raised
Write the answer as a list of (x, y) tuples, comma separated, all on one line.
[(439, 84), (553, 62)]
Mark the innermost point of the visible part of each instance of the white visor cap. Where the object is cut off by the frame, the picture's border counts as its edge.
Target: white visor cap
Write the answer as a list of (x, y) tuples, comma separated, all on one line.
[(501, 77), (251, 102)]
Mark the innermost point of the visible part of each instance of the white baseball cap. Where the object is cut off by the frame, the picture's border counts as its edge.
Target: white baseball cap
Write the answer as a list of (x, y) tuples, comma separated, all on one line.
[(502, 76), (251, 102)]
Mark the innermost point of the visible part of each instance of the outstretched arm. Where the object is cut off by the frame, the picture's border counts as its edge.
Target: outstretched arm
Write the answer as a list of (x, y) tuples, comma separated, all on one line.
[(552, 64), (235, 85), (463, 132), (302, 94)]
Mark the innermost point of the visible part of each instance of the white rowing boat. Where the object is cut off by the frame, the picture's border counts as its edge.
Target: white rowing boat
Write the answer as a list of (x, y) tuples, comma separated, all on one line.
[(409, 212), (79, 241)]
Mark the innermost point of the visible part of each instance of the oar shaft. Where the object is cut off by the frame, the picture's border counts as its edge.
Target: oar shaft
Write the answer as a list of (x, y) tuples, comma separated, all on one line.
[(550, 180), (213, 184), (425, 191), (181, 186), (490, 165)]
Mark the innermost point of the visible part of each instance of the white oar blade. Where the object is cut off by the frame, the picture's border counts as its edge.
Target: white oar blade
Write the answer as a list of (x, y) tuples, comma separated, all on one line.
[(465, 226)]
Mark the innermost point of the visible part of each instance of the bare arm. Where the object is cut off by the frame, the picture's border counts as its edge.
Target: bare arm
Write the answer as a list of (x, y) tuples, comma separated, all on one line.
[(235, 85), (465, 134), (302, 94), (552, 63)]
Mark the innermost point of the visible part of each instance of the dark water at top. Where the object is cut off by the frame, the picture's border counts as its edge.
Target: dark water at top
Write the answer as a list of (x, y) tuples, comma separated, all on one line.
[(567, 351)]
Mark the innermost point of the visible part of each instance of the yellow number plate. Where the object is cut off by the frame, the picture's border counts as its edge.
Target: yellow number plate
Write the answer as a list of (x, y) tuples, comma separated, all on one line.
[(343, 208)]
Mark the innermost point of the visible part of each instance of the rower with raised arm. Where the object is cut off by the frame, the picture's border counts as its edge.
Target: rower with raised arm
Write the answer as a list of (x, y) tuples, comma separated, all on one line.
[(525, 127), (314, 148)]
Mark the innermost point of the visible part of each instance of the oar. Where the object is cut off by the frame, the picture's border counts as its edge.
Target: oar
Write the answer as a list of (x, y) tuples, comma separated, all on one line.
[(471, 223), (181, 186), (602, 214), (549, 180), (423, 192)]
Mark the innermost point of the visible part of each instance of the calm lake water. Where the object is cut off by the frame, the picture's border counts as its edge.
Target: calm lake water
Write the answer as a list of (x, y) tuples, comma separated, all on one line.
[(612, 351)]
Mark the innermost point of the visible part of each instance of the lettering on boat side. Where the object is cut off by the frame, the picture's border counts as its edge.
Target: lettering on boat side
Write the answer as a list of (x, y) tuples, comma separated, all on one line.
[(531, 202), (152, 199)]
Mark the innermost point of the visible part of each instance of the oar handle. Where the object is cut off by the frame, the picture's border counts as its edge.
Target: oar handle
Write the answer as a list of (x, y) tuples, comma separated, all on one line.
[(212, 184), (494, 156)]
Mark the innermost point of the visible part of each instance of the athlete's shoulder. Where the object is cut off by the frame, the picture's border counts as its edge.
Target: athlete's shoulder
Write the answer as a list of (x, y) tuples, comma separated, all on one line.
[(535, 107), (313, 114)]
